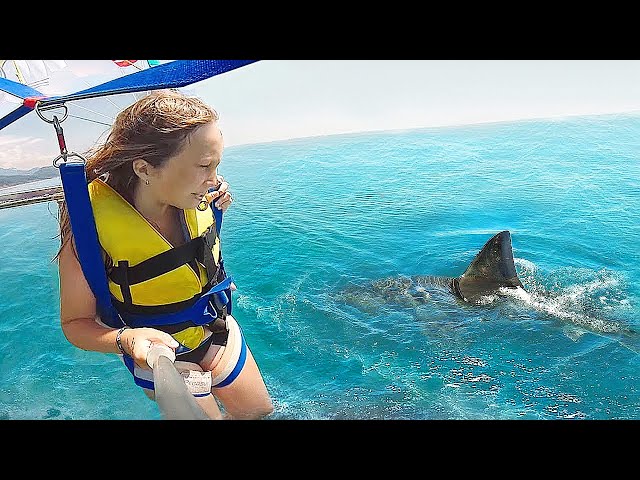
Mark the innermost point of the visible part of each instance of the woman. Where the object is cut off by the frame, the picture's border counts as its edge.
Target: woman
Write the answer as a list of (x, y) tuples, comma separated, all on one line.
[(162, 255)]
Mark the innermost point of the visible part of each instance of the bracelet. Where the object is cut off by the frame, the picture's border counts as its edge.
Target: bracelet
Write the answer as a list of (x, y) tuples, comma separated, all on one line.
[(118, 343)]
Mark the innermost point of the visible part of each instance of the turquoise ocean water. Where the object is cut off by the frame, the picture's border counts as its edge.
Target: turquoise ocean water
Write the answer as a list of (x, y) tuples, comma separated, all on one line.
[(317, 217)]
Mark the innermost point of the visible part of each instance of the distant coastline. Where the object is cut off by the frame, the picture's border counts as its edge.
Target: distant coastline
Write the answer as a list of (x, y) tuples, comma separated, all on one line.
[(10, 177), (30, 185)]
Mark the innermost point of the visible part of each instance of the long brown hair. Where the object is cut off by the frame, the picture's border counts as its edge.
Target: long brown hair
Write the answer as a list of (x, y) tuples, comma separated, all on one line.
[(154, 128)]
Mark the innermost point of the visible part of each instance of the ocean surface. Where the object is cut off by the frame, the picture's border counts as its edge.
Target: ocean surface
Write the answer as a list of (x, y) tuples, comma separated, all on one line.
[(317, 220)]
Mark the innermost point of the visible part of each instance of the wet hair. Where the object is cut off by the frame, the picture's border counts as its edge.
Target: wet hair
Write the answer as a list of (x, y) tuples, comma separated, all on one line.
[(154, 128)]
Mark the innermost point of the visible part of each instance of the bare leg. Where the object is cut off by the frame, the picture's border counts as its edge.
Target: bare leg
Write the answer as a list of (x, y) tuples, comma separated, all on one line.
[(247, 396)]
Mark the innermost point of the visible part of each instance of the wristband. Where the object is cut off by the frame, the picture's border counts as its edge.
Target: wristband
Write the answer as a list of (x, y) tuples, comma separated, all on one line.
[(118, 343)]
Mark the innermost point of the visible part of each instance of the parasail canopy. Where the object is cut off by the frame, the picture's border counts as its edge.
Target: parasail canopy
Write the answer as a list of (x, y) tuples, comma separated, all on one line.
[(174, 74)]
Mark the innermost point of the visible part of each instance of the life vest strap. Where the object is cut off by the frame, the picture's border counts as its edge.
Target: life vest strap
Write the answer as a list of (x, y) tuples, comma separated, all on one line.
[(200, 313), (130, 308), (164, 262)]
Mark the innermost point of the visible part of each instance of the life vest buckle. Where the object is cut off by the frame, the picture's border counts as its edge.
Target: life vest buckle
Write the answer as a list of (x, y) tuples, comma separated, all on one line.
[(220, 300), (205, 254)]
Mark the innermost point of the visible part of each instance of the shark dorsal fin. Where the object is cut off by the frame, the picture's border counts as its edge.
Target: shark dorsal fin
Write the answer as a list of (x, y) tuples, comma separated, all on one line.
[(491, 269)]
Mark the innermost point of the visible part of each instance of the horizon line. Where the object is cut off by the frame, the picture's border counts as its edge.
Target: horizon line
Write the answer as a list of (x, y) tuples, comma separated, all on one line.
[(409, 128)]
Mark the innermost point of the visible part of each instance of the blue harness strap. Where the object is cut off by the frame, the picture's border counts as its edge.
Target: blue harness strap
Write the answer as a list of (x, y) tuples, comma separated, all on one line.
[(223, 296), (83, 226), (217, 213)]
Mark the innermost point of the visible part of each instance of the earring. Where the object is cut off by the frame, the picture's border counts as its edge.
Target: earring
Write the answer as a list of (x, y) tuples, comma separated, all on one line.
[(146, 182)]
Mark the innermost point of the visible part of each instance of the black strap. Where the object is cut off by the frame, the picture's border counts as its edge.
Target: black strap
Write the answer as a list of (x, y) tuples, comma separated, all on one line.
[(125, 285), (206, 253), (154, 309), (197, 354), (128, 307), (199, 248)]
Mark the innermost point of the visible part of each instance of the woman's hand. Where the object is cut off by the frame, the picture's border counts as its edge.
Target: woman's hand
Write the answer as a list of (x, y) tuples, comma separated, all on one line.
[(137, 342), (222, 196)]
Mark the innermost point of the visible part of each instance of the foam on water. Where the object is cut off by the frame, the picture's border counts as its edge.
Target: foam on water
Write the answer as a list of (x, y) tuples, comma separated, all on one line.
[(578, 301)]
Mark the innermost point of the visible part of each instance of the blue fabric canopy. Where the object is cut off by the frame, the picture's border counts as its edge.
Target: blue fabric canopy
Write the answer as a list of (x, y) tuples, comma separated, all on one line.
[(176, 74)]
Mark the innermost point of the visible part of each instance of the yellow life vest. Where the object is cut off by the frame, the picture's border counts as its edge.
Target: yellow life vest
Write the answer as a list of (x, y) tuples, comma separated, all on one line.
[(126, 236)]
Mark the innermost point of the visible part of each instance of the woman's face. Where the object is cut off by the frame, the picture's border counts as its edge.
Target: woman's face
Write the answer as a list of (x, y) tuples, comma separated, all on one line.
[(184, 178)]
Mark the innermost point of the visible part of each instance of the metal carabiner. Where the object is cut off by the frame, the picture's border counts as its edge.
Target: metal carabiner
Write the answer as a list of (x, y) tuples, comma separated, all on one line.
[(65, 158), (64, 154), (38, 108)]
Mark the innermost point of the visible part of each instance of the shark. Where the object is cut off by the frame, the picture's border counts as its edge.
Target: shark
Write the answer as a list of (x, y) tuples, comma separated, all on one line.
[(490, 275), (491, 272)]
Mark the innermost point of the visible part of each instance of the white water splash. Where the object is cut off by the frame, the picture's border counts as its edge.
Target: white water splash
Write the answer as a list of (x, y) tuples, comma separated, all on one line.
[(578, 303), (486, 299)]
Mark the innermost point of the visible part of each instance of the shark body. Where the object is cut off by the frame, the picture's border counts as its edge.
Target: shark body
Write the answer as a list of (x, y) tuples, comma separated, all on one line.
[(491, 271)]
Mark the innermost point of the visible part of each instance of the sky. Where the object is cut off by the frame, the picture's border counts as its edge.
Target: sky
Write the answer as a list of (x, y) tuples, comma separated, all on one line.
[(273, 100)]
